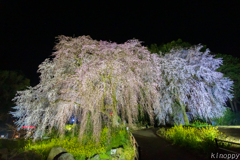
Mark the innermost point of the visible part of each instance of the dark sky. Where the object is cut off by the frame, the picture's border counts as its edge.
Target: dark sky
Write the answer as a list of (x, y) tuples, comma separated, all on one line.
[(28, 28)]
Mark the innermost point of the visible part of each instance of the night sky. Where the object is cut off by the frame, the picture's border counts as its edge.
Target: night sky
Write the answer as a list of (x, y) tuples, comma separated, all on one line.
[(28, 28)]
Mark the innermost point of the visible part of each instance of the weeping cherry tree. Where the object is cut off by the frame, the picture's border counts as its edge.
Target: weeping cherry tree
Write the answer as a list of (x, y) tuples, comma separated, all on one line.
[(190, 82), (96, 81)]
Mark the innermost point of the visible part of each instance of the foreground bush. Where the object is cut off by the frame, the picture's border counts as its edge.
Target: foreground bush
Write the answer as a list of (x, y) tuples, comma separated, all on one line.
[(87, 148), (193, 136), (197, 124)]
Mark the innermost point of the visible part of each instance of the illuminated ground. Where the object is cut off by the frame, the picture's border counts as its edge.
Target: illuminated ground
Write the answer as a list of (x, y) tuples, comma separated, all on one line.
[(153, 147), (233, 135), (231, 131)]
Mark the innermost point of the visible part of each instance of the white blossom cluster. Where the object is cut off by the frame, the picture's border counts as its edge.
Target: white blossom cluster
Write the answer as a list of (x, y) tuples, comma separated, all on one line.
[(189, 77)]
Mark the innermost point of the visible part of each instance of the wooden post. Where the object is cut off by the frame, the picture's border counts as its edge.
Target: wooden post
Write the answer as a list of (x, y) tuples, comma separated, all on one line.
[(216, 142)]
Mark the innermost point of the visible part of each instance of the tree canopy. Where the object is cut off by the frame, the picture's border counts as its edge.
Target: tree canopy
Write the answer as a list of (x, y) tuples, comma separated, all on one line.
[(89, 78), (230, 67), (166, 48), (10, 83)]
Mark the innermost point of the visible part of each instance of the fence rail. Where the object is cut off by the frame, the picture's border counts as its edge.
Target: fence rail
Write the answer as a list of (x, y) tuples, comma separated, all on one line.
[(216, 140), (136, 146)]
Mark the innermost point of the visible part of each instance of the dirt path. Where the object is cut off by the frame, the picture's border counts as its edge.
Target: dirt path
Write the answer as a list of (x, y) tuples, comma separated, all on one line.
[(233, 131), (153, 147)]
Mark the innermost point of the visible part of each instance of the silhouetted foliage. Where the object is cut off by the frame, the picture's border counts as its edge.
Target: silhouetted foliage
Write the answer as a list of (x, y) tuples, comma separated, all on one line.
[(10, 83), (231, 69)]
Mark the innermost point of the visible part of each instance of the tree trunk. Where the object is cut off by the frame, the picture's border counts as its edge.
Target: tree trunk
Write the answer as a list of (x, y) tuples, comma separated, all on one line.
[(185, 117), (238, 102), (115, 119), (14, 132), (183, 107), (235, 105), (233, 108), (114, 107)]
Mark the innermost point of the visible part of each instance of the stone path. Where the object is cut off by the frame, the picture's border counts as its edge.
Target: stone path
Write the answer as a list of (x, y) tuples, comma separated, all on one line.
[(153, 147)]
